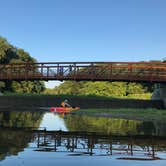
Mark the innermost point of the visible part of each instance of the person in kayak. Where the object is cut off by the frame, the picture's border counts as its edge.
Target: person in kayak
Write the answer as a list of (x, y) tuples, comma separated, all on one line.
[(65, 104)]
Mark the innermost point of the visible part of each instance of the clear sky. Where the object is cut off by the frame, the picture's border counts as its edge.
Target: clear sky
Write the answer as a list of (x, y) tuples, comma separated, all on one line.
[(86, 30)]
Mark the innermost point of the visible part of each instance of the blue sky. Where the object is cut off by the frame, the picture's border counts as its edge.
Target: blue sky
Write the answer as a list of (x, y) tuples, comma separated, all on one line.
[(86, 30)]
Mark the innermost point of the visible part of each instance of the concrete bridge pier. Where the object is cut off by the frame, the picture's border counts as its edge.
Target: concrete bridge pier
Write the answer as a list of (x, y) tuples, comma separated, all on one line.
[(160, 93)]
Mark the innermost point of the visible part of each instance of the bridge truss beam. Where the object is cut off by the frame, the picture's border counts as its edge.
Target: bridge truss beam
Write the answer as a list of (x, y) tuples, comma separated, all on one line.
[(85, 71)]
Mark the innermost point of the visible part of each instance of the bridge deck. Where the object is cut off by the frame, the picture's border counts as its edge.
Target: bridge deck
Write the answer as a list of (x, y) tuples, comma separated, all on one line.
[(86, 71)]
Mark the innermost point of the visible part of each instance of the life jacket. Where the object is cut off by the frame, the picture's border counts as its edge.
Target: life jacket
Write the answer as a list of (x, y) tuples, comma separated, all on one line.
[(63, 104)]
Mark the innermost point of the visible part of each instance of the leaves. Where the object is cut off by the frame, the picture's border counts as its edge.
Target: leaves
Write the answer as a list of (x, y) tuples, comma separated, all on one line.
[(101, 88), (11, 54)]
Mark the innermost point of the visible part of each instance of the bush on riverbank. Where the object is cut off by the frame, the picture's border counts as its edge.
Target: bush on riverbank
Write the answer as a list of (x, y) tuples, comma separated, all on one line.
[(104, 88)]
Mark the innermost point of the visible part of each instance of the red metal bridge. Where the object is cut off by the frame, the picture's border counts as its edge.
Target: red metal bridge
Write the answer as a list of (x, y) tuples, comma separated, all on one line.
[(85, 71)]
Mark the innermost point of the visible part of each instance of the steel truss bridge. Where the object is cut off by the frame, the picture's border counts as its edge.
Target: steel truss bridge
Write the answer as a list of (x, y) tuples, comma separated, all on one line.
[(85, 71)]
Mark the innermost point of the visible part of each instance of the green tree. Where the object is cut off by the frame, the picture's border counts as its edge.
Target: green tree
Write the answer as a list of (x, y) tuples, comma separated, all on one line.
[(101, 88), (116, 89), (11, 54), (69, 87), (135, 88)]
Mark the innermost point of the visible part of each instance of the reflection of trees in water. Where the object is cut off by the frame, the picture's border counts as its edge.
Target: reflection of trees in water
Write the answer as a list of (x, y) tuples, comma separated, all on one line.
[(147, 128), (101, 124), (20, 119), (115, 126), (11, 140), (160, 128)]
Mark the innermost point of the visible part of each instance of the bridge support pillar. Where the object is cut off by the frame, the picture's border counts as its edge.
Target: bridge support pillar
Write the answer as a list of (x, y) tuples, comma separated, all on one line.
[(160, 93)]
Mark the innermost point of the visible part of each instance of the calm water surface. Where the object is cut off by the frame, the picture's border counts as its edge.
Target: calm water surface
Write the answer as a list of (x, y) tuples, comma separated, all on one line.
[(38, 138)]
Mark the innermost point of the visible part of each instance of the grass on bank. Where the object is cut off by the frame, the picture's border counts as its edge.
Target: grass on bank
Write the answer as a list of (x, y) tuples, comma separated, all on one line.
[(64, 96), (137, 114)]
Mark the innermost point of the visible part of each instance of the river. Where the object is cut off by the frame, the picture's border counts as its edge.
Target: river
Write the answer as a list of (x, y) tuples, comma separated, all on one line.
[(44, 138)]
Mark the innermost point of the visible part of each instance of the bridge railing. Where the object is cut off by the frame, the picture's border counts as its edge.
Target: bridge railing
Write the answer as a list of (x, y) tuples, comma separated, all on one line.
[(108, 71)]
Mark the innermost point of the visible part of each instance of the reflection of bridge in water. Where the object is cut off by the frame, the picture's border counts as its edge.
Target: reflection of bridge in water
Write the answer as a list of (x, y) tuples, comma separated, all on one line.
[(91, 143), (86, 71)]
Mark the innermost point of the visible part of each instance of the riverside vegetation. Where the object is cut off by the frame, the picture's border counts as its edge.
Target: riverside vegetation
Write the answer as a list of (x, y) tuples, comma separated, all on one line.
[(104, 88), (12, 54)]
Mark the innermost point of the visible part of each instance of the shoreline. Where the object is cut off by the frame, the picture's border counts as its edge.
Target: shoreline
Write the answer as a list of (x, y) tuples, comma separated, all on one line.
[(84, 102), (130, 114)]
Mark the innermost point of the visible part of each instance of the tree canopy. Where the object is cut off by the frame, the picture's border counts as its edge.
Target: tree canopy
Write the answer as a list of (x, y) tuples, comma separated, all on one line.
[(12, 54), (101, 88)]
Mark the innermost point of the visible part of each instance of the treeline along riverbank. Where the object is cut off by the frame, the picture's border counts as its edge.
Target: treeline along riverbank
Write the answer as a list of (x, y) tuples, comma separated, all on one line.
[(81, 101)]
